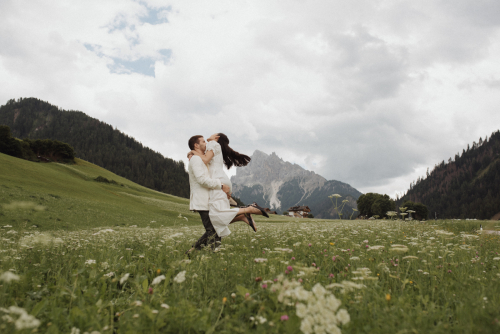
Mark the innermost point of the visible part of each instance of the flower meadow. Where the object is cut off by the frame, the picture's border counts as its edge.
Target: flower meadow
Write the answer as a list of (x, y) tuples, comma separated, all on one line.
[(299, 277)]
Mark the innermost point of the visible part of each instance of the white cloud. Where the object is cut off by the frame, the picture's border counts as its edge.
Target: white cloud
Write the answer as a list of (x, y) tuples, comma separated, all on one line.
[(369, 93)]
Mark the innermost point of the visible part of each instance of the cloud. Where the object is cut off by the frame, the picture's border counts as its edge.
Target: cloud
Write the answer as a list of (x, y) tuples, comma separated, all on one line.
[(369, 93)]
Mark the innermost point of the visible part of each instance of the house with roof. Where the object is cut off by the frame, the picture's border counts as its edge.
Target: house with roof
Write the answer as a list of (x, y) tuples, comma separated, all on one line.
[(270, 212), (300, 211)]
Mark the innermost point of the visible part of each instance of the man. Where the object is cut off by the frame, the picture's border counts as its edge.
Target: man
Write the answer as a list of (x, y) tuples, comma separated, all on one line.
[(200, 184)]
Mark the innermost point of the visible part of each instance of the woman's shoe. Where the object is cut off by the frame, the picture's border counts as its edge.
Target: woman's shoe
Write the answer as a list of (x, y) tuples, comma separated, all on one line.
[(251, 222), (264, 213)]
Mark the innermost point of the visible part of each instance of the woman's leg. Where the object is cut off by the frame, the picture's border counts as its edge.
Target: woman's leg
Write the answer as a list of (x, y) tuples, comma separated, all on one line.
[(251, 210), (240, 218)]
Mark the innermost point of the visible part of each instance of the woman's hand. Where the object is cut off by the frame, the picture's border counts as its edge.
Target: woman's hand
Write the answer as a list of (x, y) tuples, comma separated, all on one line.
[(215, 137), (191, 153)]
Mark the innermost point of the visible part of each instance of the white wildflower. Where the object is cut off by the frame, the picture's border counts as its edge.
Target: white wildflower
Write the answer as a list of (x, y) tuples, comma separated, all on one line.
[(89, 262), (158, 280), (181, 277), (25, 320), (165, 306), (124, 278), (259, 260), (8, 277)]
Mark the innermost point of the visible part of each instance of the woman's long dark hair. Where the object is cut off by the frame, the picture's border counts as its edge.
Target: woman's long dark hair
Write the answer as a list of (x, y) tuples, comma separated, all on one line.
[(231, 157)]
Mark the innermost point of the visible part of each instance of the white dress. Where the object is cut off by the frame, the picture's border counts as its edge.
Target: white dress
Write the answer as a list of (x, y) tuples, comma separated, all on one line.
[(220, 212)]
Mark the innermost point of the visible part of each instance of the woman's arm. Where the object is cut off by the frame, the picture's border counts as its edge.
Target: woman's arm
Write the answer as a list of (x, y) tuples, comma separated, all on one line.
[(206, 158)]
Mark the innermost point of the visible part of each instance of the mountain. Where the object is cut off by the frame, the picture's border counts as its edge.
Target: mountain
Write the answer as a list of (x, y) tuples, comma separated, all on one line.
[(467, 186), (279, 185), (97, 142)]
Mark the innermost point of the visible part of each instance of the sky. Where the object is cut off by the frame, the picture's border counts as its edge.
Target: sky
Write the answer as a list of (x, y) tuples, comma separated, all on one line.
[(371, 93)]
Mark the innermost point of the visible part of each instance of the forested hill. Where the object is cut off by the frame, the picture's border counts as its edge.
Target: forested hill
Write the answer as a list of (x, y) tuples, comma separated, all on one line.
[(96, 142), (467, 186)]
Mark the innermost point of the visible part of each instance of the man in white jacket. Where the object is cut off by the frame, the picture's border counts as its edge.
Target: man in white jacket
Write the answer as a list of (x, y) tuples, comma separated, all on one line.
[(200, 184)]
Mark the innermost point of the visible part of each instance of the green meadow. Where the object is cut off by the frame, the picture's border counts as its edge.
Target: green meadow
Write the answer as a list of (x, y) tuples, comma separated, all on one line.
[(80, 256)]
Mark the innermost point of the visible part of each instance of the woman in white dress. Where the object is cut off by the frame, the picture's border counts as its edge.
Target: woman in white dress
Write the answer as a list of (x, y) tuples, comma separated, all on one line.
[(217, 154)]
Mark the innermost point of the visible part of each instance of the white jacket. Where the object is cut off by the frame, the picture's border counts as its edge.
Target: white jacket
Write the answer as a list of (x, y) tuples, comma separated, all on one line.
[(200, 184)]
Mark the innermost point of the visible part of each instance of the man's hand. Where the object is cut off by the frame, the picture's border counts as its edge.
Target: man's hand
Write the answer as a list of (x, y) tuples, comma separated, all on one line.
[(226, 189), (229, 195)]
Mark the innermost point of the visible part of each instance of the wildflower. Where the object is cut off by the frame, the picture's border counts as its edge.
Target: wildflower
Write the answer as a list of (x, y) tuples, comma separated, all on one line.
[(158, 280), (89, 262), (124, 278), (8, 277), (259, 260), (24, 321), (154, 311), (135, 316), (165, 306), (334, 258), (310, 245), (110, 274), (181, 277), (264, 286), (388, 297), (293, 258), (284, 317), (247, 295), (224, 300), (289, 268), (449, 271), (331, 275), (150, 290), (158, 271), (137, 303), (233, 295), (313, 264), (258, 279)]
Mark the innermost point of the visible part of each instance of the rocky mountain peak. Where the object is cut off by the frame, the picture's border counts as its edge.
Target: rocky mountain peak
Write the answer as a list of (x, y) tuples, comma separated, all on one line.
[(267, 168)]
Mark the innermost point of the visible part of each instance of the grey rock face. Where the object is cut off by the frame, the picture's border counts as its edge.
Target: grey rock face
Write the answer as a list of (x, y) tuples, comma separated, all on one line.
[(278, 184)]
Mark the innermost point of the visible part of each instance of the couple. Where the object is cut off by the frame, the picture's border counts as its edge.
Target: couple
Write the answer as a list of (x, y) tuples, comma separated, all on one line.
[(211, 188)]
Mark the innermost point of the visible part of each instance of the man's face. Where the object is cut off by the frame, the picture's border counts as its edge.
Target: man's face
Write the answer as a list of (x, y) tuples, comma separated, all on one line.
[(202, 144)]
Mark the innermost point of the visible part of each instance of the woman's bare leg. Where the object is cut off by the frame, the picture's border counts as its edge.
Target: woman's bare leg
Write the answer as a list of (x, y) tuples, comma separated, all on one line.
[(239, 218), (252, 210)]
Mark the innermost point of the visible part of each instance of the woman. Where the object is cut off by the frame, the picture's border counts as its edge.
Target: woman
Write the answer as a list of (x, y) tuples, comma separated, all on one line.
[(217, 154)]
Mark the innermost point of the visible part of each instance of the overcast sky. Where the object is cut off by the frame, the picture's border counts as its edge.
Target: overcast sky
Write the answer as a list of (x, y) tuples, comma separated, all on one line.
[(366, 92)]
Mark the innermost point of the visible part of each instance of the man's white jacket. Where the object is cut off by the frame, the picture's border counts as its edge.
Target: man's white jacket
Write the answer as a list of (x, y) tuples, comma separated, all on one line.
[(200, 184)]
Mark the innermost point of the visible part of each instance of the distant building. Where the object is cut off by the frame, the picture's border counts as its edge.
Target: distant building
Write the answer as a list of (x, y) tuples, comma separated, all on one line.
[(270, 212), (299, 211)]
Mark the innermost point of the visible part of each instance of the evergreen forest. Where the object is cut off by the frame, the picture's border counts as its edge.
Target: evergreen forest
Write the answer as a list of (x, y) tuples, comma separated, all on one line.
[(467, 186), (96, 142)]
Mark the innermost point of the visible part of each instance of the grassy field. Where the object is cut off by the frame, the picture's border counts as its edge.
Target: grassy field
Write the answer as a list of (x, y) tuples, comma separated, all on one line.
[(82, 256), (68, 197)]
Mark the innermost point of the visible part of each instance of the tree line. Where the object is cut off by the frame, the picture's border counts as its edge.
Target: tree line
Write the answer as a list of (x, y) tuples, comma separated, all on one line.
[(466, 186), (44, 150)]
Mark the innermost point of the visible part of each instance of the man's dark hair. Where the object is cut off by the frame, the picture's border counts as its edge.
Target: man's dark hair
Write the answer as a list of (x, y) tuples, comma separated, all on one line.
[(193, 140)]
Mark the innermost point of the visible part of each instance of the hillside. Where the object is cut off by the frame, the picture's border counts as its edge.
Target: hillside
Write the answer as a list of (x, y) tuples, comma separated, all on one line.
[(467, 186), (72, 198), (97, 142), (279, 185)]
